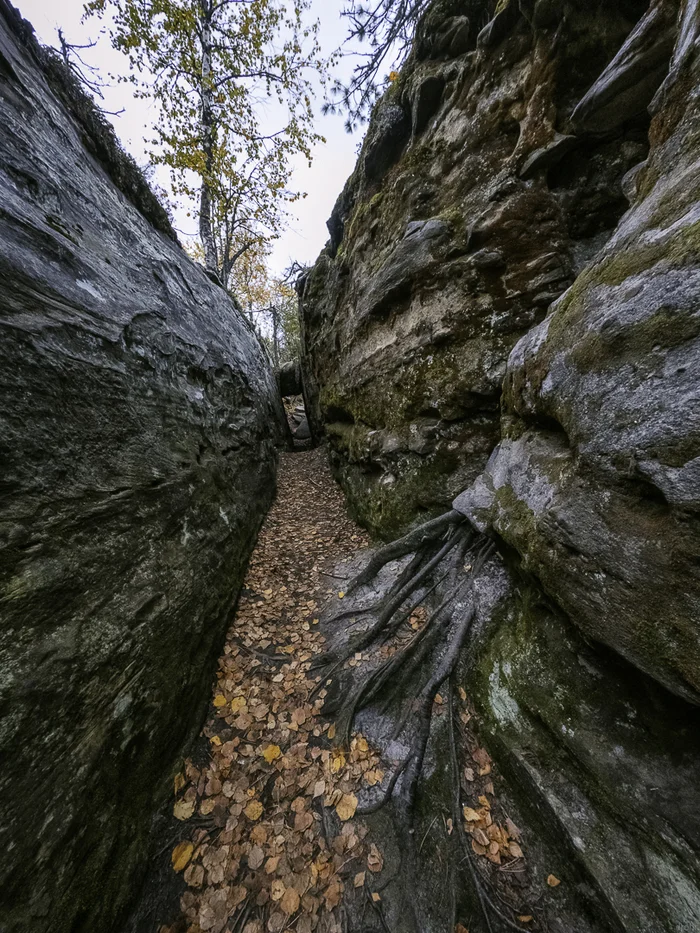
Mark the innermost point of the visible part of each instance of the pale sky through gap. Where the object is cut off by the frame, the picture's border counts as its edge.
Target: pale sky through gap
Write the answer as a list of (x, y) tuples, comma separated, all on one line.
[(333, 162)]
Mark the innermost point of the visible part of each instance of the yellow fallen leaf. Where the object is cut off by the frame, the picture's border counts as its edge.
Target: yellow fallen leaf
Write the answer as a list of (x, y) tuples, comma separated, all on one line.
[(553, 881), (181, 855), (215, 740), (254, 810), (179, 782), (183, 809), (272, 753), (237, 704), (471, 816), (341, 594), (290, 901), (219, 700), (337, 761), (346, 806), (331, 731)]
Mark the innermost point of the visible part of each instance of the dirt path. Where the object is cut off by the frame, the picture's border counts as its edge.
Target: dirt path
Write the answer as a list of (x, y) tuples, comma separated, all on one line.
[(267, 839)]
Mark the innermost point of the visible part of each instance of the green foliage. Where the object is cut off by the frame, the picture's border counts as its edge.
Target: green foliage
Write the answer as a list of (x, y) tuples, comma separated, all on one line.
[(218, 72)]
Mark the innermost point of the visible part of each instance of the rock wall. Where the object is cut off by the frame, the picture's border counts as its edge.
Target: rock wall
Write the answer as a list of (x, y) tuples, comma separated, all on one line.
[(139, 418), (582, 675), (490, 175)]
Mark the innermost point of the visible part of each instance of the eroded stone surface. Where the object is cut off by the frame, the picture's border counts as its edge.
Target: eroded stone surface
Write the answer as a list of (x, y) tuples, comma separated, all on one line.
[(139, 419), (480, 208)]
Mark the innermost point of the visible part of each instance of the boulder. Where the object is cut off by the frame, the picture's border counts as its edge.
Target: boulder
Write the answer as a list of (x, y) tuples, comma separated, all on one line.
[(138, 424), (289, 378)]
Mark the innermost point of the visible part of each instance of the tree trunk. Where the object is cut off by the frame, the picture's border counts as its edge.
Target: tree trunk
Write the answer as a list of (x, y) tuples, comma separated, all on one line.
[(207, 126)]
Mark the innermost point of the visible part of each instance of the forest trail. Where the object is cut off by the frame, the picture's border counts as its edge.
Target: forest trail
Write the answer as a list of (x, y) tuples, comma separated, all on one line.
[(264, 837)]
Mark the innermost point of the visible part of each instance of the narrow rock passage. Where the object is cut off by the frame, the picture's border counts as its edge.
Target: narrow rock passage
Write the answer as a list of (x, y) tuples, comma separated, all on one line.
[(266, 839)]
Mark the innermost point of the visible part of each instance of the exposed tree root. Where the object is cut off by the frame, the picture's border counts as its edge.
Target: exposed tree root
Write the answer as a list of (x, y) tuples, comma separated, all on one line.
[(404, 683)]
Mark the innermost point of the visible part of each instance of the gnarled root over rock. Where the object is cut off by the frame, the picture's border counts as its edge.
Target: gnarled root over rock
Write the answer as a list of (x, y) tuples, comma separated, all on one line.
[(394, 661)]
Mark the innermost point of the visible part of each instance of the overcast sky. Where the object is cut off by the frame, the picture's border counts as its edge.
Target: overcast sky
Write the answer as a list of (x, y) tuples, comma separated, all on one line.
[(333, 162)]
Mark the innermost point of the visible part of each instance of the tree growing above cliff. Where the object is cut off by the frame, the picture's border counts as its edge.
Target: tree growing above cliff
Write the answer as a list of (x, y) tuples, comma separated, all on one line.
[(387, 27), (231, 80)]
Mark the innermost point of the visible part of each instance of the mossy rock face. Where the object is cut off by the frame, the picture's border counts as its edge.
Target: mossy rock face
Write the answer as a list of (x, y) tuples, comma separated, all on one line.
[(139, 423), (442, 257), (596, 764), (598, 483)]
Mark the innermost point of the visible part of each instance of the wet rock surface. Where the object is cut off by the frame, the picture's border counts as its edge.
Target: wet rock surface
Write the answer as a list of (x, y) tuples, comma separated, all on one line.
[(459, 227), (574, 706), (139, 422)]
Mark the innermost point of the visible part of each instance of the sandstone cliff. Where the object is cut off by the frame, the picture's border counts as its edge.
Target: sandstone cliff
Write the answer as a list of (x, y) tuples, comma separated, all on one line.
[(489, 177), (512, 290), (139, 420)]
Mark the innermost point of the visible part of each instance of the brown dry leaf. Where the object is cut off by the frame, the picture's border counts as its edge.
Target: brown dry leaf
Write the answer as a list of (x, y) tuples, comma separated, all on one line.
[(515, 850), (470, 815), (376, 897), (303, 821), (319, 788), (290, 901), (359, 879), (469, 774), (461, 929), (271, 864), (346, 806), (277, 889), (256, 857), (183, 809), (254, 810), (179, 782), (553, 881), (462, 693), (181, 855), (331, 731), (525, 918), (375, 861), (484, 801)]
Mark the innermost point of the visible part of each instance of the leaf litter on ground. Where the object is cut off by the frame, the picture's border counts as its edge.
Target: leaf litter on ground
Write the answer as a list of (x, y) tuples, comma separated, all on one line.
[(270, 840)]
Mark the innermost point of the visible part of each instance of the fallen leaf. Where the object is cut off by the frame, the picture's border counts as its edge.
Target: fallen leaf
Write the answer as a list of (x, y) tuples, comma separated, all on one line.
[(272, 753), (341, 594), (359, 879), (219, 700), (525, 918), (375, 897), (256, 857), (375, 862), (346, 806), (462, 693), (470, 815), (183, 809), (290, 901), (331, 731), (237, 704), (553, 881), (461, 929), (515, 850), (181, 856), (277, 889), (254, 810)]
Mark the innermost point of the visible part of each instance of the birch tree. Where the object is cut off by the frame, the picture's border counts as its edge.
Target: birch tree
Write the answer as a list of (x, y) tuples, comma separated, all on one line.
[(232, 82)]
